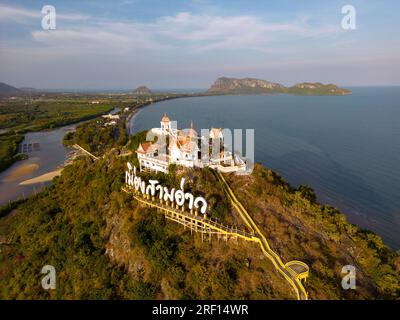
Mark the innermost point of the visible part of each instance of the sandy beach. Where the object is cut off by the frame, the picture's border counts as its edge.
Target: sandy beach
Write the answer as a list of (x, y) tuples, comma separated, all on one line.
[(21, 171), (42, 178)]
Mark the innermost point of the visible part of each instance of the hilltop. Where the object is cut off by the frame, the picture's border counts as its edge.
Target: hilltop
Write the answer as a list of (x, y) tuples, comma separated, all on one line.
[(106, 246), (246, 85), (226, 85), (142, 90), (316, 88)]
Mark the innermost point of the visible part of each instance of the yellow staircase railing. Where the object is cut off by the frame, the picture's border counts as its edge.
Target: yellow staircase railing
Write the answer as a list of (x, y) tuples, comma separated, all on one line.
[(288, 269), (294, 271)]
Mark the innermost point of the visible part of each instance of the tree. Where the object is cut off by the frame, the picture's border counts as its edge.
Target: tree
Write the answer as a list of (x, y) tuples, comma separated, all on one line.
[(307, 193)]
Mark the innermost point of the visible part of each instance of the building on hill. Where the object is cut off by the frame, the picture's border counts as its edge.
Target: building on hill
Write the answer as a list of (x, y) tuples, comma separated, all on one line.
[(111, 123), (186, 148)]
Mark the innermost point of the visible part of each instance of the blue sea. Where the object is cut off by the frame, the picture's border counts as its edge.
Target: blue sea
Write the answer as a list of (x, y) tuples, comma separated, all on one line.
[(345, 147)]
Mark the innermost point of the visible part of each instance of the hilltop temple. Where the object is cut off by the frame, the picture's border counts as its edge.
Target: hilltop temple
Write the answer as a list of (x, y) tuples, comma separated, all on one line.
[(186, 148)]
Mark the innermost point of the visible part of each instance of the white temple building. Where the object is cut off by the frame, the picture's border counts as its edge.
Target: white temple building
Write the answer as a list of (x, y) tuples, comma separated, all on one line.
[(186, 148)]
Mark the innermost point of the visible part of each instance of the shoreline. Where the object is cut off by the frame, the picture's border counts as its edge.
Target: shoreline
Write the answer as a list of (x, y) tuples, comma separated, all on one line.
[(21, 171), (46, 177)]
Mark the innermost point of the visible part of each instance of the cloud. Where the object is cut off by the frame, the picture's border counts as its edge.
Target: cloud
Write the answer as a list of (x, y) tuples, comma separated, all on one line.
[(17, 14), (216, 32), (186, 32), (177, 45)]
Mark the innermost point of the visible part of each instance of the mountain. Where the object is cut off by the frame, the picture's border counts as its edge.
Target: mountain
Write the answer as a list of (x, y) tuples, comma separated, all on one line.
[(7, 90), (246, 85), (226, 85), (142, 90)]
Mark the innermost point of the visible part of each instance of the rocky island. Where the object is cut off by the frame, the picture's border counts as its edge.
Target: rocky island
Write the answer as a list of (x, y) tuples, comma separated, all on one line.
[(224, 85)]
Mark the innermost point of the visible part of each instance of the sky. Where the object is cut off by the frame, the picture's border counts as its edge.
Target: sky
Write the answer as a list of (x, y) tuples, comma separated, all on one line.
[(187, 44)]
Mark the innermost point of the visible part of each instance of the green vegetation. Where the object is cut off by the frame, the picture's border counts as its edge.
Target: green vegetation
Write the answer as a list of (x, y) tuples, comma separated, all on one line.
[(316, 89), (23, 116), (137, 139), (9, 150), (56, 231), (308, 193), (300, 228), (97, 137), (104, 246)]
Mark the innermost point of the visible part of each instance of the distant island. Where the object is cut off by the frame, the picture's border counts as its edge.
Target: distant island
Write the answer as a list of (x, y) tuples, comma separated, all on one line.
[(142, 90), (225, 85), (222, 85)]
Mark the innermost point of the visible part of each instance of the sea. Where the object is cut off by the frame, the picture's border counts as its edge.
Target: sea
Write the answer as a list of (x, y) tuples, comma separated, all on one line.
[(347, 148)]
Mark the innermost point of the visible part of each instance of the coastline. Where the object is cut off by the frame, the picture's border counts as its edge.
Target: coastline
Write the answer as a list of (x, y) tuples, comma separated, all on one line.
[(49, 176), (21, 171), (131, 117)]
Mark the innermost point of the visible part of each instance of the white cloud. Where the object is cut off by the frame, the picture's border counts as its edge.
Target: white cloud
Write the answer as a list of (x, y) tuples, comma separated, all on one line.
[(184, 31), (183, 43), (17, 14)]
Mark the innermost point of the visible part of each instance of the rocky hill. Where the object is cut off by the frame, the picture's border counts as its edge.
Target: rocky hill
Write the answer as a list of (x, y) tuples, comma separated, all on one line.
[(307, 88), (226, 85), (246, 85), (107, 246), (142, 90)]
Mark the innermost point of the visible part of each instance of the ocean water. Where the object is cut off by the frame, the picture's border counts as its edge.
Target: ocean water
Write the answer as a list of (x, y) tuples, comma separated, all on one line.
[(347, 147)]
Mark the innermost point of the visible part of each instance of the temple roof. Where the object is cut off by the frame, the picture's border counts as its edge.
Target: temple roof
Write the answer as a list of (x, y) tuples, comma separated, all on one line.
[(143, 147)]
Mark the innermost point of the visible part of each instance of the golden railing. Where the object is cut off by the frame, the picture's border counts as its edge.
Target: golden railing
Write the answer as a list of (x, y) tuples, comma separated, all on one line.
[(286, 270)]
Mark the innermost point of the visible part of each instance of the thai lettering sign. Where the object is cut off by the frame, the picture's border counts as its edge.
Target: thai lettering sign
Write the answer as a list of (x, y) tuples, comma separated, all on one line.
[(174, 196)]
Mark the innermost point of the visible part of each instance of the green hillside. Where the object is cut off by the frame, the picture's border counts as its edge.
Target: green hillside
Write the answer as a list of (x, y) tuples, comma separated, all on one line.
[(105, 246)]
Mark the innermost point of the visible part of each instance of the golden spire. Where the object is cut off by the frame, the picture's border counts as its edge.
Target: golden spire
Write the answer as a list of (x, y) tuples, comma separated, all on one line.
[(165, 118)]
